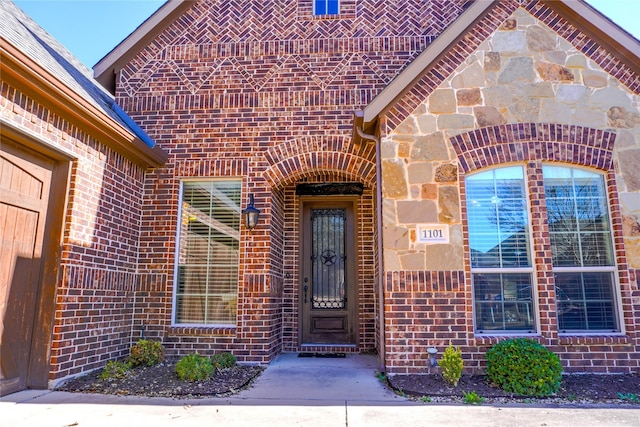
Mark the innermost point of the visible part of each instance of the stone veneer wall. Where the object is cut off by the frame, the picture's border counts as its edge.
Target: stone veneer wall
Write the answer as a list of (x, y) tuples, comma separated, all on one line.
[(98, 265), (518, 92)]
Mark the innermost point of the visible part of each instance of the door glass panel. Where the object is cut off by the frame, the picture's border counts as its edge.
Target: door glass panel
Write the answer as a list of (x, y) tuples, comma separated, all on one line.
[(328, 258)]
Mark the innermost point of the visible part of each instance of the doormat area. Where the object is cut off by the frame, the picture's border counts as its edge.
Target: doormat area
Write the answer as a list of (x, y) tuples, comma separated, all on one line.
[(324, 355)]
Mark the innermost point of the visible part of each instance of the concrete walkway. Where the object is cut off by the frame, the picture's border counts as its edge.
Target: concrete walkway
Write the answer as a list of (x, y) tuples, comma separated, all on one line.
[(295, 391)]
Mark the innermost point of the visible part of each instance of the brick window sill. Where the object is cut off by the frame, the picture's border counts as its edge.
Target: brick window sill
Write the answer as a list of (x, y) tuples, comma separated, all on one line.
[(593, 339), (484, 340), (202, 331)]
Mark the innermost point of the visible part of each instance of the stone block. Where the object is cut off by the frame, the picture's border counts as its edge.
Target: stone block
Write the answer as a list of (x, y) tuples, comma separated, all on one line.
[(442, 101), (497, 96), (554, 72), (396, 237), (586, 116), (554, 112), (628, 161), (608, 97), (417, 211), (488, 116), (470, 77), (619, 117), (446, 173), (509, 41), (571, 93), (469, 97), (539, 90), (594, 78), (526, 110), (456, 121), (449, 204), (419, 172), (492, 61), (518, 69), (430, 147), (540, 39), (394, 183)]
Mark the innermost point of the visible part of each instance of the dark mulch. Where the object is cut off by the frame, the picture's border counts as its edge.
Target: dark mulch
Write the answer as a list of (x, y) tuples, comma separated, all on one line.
[(581, 388), (161, 381)]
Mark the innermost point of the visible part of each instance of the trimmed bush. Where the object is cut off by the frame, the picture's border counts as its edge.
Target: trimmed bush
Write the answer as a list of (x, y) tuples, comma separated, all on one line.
[(525, 367), (223, 360), (115, 370), (451, 365), (194, 367), (146, 353)]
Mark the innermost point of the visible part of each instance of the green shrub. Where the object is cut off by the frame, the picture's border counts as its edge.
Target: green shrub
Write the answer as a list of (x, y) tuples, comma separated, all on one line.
[(524, 367), (472, 398), (223, 360), (451, 365), (146, 353), (194, 367), (115, 370)]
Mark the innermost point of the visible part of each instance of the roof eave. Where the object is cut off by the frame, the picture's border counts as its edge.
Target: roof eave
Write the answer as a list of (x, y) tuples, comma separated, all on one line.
[(107, 68), (23, 73)]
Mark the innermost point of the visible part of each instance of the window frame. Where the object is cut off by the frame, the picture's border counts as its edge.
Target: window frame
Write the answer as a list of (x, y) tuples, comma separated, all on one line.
[(536, 268), (178, 245), (610, 269), (326, 5), (530, 270)]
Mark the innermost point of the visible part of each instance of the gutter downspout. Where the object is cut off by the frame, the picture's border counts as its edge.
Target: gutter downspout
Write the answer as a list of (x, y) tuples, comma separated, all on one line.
[(381, 330)]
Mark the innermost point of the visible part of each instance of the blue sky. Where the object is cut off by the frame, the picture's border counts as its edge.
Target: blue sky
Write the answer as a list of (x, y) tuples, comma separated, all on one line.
[(92, 28)]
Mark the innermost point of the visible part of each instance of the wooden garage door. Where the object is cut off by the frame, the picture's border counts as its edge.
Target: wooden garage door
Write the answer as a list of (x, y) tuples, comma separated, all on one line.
[(25, 180)]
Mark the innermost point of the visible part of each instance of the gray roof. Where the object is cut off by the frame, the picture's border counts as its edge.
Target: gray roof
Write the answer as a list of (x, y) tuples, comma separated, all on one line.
[(25, 34)]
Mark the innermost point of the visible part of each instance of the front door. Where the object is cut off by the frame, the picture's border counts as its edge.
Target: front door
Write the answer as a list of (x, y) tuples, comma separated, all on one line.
[(328, 282)]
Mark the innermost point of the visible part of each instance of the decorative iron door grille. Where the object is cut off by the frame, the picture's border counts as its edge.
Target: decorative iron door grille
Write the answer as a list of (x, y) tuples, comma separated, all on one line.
[(328, 259)]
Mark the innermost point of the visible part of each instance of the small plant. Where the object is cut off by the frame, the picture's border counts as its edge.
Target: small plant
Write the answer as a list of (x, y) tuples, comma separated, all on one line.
[(425, 399), (631, 397), (194, 367), (381, 376), (115, 370), (400, 392), (472, 398), (524, 367), (572, 397), (223, 360), (451, 365), (146, 353)]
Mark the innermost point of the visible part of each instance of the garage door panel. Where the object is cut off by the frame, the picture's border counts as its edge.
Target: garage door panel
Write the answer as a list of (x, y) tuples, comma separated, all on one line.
[(24, 191)]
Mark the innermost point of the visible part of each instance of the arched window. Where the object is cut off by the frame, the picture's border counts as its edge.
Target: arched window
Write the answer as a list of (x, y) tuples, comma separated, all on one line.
[(501, 242)]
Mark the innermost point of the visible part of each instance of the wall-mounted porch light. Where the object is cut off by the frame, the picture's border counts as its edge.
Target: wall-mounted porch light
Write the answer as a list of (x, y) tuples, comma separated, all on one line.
[(251, 214)]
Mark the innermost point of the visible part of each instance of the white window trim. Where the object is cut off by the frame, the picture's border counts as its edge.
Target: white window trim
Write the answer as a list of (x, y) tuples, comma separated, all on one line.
[(529, 270)]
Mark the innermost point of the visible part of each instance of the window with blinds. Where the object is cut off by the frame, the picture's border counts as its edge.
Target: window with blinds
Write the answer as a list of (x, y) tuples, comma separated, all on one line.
[(209, 236)]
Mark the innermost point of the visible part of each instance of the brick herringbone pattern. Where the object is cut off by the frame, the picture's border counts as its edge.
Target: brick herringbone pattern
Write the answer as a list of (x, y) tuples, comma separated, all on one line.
[(256, 39)]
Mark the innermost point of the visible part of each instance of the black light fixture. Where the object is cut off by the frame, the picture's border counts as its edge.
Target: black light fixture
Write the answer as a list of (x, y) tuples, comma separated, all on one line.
[(251, 214)]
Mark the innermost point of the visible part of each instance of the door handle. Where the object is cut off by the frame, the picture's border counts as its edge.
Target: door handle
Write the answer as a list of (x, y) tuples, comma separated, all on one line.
[(306, 288)]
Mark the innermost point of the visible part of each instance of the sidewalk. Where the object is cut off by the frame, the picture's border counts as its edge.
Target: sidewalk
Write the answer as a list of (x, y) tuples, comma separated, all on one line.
[(294, 391)]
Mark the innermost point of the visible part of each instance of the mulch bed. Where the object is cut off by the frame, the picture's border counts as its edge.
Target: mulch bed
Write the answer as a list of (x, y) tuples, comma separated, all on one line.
[(575, 388), (161, 381)]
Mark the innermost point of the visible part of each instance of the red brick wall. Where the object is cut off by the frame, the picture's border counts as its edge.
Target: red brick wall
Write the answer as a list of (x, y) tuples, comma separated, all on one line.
[(268, 86), (98, 265)]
